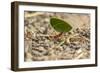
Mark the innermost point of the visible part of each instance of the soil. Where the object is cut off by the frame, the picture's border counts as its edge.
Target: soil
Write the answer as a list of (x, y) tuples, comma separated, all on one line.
[(39, 46)]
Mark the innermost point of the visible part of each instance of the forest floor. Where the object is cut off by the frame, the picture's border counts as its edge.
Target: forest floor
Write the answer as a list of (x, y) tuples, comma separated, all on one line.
[(39, 46)]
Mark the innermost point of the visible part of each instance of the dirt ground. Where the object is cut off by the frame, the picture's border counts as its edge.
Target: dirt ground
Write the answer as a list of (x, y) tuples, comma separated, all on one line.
[(39, 46)]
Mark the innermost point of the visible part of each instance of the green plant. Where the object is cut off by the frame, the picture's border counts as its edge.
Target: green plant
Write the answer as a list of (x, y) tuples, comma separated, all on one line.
[(60, 26)]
